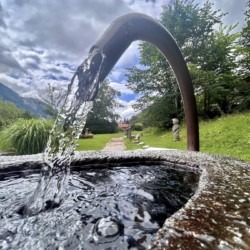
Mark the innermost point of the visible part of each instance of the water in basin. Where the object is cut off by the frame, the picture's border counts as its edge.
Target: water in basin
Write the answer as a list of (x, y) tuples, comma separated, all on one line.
[(103, 207)]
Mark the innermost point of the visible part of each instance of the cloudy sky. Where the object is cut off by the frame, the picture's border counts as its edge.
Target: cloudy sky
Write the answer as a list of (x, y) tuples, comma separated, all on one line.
[(43, 41)]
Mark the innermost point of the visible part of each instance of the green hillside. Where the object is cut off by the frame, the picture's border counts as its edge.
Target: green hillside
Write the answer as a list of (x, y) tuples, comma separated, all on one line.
[(32, 105), (229, 135)]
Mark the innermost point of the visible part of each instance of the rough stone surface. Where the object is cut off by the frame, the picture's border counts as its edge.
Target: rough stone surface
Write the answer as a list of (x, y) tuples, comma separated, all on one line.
[(216, 217)]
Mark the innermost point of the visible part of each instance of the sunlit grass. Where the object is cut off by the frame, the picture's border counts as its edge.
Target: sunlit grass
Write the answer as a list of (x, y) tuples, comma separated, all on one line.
[(98, 142), (229, 135)]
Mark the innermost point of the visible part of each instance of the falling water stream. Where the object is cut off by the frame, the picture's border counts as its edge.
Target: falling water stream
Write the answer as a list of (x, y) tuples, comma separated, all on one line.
[(64, 135)]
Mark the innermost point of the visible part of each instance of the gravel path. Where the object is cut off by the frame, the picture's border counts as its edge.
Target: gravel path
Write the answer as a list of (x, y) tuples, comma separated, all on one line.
[(116, 144)]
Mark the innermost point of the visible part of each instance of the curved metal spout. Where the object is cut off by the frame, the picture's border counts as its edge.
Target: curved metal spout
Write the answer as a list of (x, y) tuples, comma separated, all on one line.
[(131, 27)]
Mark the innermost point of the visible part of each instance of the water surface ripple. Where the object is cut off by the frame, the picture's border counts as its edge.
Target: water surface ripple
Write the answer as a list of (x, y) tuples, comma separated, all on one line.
[(103, 208)]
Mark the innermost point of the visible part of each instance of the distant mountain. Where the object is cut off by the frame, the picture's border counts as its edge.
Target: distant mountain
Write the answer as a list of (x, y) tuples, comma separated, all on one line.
[(32, 105)]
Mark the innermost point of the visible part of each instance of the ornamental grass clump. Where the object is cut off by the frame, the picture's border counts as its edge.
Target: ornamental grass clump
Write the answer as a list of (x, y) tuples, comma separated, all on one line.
[(26, 136)]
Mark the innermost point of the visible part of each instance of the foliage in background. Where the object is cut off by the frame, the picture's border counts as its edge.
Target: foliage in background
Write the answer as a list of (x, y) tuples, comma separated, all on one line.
[(102, 118), (212, 53), (102, 126), (219, 89), (244, 49), (138, 126), (9, 113), (159, 114), (26, 136), (191, 25)]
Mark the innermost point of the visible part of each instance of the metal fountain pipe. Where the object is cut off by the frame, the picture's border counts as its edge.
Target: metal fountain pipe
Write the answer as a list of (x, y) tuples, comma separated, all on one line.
[(131, 27)]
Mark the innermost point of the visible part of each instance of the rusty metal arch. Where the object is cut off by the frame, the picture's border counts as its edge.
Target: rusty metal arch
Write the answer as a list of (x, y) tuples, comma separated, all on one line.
[(135, 26)]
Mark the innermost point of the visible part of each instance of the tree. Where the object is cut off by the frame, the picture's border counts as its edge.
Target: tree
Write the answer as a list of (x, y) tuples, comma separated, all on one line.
[(244, 47), (191, 26), (102, 118), (138, 126), (9, 113), (244, 61), (216, 82)]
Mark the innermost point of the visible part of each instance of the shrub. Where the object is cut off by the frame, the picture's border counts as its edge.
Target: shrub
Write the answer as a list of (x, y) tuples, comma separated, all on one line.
[(9, 113), (153, 130), (101, 126), (138, 126), (26, 136)]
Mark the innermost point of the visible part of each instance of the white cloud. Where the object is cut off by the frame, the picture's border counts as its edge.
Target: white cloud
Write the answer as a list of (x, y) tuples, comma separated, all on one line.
[(38, 35), (121, 87), (115, 74), (33, 94), (152, 8), (129, 57), (19, 85), (234, 8), (44, 41), (127, 111)]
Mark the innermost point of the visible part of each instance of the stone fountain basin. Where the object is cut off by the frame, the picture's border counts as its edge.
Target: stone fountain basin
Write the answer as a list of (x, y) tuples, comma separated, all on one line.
[(216, 217)]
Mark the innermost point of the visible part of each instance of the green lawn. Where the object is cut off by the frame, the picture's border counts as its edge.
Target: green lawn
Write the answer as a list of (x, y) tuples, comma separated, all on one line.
[(97, 143), (229, 135)]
